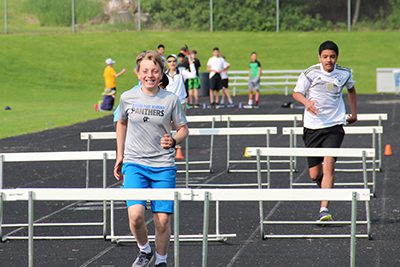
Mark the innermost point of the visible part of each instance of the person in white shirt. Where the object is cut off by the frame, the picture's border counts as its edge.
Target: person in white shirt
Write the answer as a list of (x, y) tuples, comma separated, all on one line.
[(177, 78), (225, 85), (319, 89), (215, 66)]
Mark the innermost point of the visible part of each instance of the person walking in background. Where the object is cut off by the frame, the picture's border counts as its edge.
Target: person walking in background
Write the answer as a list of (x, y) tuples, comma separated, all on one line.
[(255, 72), (110, 82), (194, 83), (319, 89), (225, 85), (215, 66), (146, 154)]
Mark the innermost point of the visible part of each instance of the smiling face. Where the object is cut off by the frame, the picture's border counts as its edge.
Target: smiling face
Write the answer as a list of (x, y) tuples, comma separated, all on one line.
[(328, 59), (150, 74), (172, 63)]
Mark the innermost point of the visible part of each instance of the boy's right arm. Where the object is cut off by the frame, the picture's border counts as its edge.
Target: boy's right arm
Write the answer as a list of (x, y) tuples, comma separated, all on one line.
[(121, 135), (308, 104)]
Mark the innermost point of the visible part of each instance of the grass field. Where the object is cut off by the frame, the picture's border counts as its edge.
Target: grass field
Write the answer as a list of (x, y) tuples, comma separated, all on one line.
[(52, 80)]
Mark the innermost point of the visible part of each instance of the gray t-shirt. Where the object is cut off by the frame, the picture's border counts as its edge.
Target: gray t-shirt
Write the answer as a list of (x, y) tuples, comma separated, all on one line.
[(149, 118)]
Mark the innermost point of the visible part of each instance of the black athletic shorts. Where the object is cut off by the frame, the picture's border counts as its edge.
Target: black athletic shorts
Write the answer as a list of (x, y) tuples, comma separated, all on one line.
[(330, 137), (215, 82), (225, 83)]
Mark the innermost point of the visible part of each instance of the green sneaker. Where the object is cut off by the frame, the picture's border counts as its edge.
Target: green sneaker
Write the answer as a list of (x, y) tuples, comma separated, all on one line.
[(325, 216)]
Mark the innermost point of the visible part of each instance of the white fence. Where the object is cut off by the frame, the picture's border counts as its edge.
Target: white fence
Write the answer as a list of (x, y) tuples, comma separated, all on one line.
[(270, 81)]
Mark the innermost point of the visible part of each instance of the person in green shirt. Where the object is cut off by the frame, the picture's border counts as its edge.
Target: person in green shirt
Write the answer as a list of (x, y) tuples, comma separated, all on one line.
[(254, 81)]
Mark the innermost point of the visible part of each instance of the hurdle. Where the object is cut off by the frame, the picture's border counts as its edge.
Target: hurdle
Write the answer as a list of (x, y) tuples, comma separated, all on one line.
[(178, 195), (379, 117), (310, 152), (267, 131), (57, 156), (89, 136), (374, 131)]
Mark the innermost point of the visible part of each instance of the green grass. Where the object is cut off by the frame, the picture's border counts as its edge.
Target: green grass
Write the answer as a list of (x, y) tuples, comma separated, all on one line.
[(52, 80)]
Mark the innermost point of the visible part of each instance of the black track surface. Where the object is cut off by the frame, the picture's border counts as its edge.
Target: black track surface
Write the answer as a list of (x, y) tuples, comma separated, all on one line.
[(247, 249)]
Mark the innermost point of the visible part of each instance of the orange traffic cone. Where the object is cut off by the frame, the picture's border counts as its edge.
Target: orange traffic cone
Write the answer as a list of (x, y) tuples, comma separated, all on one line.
[(388, 150), (178, 153)]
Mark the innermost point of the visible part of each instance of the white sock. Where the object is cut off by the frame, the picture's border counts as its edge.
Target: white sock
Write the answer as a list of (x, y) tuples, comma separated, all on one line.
[(251, 102), (160, 258), (144, 248), (323, 209)]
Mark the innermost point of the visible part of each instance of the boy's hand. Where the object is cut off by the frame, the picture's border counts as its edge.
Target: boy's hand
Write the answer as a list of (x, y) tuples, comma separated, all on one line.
[(117, 170), (310, 107), (351, 118), (167, 141)]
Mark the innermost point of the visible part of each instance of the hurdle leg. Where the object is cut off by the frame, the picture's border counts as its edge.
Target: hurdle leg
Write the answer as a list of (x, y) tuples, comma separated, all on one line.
[(228, 152), (1, 197), (368, 215), (212, 147), (30, 229), (206, 220), (364, 167), (176, 229), (217, 218), (1, 217), (112, 233), (88, 162), (380, 151), (1, 171), (373, 176), (187, 161), (104, 201), (353, 230), (260, 203)]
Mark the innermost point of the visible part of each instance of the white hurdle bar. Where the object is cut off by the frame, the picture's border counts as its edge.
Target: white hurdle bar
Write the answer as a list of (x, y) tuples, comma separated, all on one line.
[(291, 152), (374, 131), (267, 131), (57, 156), (204, 195), (311, 152), (228, 132), (379, 117)]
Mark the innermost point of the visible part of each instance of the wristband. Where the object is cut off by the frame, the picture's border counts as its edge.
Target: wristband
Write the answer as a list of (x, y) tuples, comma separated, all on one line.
[(173, 142)]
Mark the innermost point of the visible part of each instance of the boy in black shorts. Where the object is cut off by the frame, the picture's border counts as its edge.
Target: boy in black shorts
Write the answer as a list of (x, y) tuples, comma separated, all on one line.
[(215, 66), (319, 89)]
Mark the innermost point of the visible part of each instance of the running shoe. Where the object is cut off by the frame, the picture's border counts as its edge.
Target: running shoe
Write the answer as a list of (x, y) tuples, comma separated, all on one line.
[(161, 264), (256, 106), (196, 106), (143, 259), (325, 216), (230, 105), (248, 106)]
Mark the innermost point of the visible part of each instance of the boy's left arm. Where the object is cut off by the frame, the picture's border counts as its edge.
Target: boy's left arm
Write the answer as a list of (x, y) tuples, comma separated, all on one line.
[(352, 97)]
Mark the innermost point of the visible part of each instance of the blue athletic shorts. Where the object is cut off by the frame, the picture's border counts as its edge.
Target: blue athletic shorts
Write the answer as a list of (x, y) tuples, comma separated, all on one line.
[(140, 176)]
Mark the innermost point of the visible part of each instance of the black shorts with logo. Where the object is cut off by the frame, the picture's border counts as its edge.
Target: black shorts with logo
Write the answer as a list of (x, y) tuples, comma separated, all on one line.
[(215, 82), (331, 137)]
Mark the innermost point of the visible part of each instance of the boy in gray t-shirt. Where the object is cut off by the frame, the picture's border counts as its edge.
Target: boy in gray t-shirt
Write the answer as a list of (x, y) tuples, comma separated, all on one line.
[(149, 118), (145, 153)]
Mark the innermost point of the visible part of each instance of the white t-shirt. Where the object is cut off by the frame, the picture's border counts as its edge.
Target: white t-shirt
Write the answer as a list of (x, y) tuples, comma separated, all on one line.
[(325, 88), (176, 83), (224, 74), (215, 63)]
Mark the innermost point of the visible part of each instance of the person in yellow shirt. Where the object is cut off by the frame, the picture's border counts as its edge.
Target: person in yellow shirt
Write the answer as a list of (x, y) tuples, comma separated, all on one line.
[(110, 82)]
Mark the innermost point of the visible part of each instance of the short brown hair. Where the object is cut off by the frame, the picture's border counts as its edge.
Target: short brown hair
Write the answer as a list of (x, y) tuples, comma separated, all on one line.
[(150, 55)]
